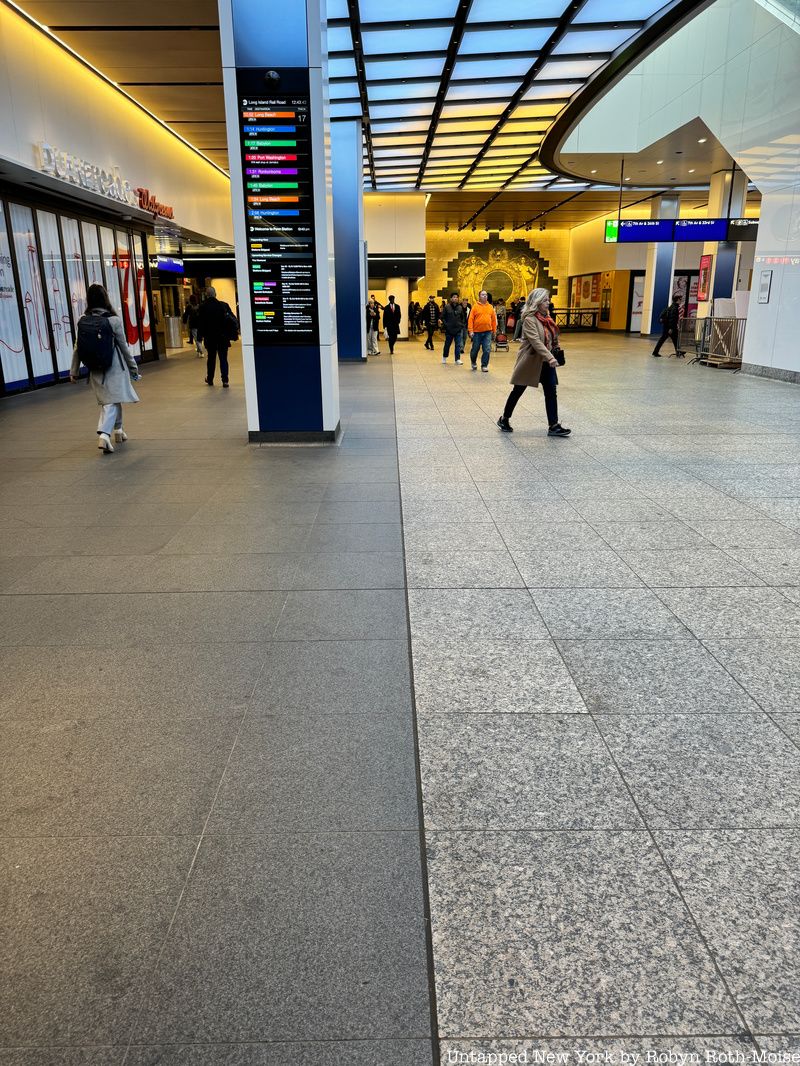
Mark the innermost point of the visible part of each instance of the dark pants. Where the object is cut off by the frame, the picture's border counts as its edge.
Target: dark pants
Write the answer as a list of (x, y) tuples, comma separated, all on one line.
[(448, 341), (391, 338), (431, 330), (672, 333), (549, 382), (214, 348)]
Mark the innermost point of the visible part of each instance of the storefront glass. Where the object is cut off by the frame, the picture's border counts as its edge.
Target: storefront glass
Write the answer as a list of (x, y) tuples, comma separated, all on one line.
[(31, 292), (12, 344), (91, 247), (139, 250), (110, 267), (73, 255), (126, 270), (56, 289)]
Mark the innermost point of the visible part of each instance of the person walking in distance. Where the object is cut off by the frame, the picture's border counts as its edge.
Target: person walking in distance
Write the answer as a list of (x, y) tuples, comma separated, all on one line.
[(391, 323), (430, 316), (536, 364), (669, 319), (466, 307), (101, 346), (373, 325), (482, 326), (217, 326), (454, 322), (190, 321)]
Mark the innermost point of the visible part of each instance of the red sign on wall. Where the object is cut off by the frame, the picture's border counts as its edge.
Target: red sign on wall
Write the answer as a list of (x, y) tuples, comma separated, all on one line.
[(704, 279)]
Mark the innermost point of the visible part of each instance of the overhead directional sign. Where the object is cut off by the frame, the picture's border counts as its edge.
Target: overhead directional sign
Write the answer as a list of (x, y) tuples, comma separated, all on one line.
[(680, 230)]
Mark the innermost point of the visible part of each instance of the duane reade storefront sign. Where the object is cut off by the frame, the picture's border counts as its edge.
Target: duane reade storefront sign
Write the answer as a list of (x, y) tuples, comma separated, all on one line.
[(86, 175)]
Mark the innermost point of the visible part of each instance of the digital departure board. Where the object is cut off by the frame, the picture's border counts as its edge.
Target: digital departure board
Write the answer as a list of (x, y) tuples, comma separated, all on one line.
[(275, 137)]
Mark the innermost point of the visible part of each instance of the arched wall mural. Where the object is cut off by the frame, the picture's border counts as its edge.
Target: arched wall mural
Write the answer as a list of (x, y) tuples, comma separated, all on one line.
[(508, 270)]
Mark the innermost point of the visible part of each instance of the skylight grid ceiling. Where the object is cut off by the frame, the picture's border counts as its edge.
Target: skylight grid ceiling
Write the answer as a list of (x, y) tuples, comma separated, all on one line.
[(460, 93)]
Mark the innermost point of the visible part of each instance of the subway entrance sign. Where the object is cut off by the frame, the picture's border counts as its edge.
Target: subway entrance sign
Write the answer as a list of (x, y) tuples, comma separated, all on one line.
[(646, 230), (276, 154)]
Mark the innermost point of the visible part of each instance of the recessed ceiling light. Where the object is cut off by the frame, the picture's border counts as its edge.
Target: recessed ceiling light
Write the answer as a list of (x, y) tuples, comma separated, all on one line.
[(594, 172), (627, 179), (702, 140), (691, 171), (659, 161)]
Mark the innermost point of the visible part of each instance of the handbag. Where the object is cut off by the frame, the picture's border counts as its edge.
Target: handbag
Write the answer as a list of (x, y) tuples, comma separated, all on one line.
[(559, 355)]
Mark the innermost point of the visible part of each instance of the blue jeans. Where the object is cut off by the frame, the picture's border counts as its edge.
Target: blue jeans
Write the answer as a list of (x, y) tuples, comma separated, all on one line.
[(481, 340), (448, 340)]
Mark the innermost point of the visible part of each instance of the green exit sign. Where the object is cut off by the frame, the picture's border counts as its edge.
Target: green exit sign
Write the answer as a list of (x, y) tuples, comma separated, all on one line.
[(612, 230)]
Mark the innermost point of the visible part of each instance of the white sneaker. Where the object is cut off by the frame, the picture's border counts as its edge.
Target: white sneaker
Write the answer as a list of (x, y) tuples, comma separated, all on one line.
[(485, 369), (119, 436), (458, 362), (104, 443)]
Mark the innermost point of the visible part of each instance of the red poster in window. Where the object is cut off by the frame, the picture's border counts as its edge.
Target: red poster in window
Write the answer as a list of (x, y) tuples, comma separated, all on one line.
[(704, 279)]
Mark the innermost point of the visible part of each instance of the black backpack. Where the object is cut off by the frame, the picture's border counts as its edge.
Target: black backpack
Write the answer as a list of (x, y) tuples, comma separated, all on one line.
[(230, 324), (96, 343)]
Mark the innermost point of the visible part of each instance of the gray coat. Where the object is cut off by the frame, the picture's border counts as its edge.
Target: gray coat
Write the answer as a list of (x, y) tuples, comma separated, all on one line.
[(534, 352), (115, 385)]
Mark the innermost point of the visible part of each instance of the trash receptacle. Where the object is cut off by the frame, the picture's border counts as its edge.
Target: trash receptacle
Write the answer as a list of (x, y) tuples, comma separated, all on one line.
[(173, 331)]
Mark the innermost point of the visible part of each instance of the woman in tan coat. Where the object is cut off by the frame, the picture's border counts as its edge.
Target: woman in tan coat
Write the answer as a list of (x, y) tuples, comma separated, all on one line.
[(536, 364)]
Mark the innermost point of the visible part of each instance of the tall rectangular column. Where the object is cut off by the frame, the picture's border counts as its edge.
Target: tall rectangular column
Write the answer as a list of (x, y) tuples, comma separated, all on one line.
[(660, 268), (348, 239), (279, 147)]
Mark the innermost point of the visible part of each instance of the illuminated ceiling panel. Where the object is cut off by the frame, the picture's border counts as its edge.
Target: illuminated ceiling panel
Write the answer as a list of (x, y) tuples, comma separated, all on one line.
[(462, 94)]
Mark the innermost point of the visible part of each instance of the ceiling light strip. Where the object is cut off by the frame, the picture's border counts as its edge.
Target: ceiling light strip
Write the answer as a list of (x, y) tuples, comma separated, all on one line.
[(361, 75), (47, 32)]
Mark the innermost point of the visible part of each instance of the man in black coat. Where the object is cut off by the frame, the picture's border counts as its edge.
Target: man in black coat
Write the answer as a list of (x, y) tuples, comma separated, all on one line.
[(391, 323), (454, 320), (214, 326), (430, 316), (669, 318)]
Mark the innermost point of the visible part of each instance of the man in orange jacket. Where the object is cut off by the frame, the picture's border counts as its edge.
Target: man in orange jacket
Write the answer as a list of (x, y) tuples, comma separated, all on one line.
[(482, 327)]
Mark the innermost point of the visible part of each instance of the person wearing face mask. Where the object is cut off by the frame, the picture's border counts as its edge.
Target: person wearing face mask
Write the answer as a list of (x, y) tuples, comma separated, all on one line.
[(536, 364)]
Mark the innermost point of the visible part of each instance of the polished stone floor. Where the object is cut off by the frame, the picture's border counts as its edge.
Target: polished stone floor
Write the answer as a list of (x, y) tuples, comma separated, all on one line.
[(606, 649), (213, 848)]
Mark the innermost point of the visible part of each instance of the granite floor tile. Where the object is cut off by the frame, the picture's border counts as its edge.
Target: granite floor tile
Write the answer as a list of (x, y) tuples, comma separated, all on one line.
[(458, 616), (521, 676), (94, 541), (641, 536), (337, 677), (768, 669), (689, 568), (785, 511), (83, 921), (713, 771), (327, 771), (353, 512), (63, 1056), (170, 680), (505, 771), (622, 511), (360, 537), (255, 510), (566, 934), (279, 1053), (550, 538), (146, 618), (368, 492), (666, 676), (255, 538), (567, 568), (94, 776), (736, 613), (349, 570), (747, 535), (350, 964), (604, 614), (790, 724), (162, 573), (362, 614), (454, 537), (464, 569), (775, 566), (743, 888), (433, 512)]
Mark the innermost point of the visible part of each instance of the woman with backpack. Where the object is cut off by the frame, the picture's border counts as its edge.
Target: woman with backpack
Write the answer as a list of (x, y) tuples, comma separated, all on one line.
[(101, 346)]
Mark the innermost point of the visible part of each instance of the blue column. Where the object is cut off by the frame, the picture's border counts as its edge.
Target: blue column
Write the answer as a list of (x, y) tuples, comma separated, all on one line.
[(276, 110), (660, 268), (348, 239)]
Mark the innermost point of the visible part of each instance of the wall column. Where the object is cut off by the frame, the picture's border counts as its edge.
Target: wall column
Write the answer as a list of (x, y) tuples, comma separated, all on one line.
[(279, 147), (660, 268), (348, 239), (725, 191)]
